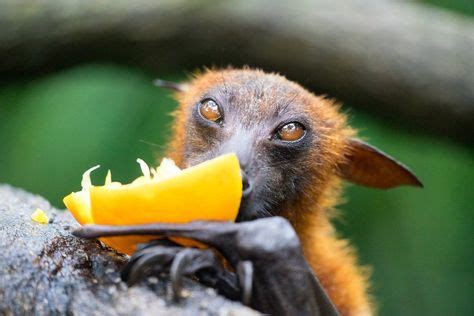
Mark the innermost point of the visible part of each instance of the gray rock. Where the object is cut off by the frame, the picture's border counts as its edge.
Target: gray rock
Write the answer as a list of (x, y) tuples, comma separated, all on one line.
[(44, 270)]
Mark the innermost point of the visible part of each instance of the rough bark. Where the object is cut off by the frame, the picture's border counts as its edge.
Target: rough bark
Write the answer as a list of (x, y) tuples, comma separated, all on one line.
[(45, 270), (405, 61)]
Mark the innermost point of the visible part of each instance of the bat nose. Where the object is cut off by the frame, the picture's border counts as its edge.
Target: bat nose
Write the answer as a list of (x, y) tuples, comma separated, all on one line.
[(247, 186)]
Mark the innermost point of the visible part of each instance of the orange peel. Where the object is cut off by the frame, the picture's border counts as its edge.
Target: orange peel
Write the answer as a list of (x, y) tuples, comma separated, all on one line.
[(40, 216), (209, 191)]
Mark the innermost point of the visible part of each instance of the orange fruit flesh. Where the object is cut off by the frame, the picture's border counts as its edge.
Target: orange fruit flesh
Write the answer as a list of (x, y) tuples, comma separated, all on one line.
[(209, 191)]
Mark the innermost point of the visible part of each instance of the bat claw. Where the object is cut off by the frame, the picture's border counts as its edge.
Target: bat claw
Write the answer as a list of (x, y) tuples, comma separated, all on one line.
[(245, 276), (177, 271), (145, 262), (162, 256)]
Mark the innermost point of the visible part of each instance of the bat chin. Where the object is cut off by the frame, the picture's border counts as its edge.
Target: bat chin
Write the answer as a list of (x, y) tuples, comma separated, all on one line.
[(250, 210), (246, 211), (245, 218)]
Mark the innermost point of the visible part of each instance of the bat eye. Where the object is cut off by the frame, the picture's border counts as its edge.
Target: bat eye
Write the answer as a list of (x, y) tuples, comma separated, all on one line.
[(291, 132), (210, 110)]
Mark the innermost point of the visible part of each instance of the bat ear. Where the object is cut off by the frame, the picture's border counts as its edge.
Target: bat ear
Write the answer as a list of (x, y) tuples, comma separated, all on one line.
[(180, 87), (368, 166)]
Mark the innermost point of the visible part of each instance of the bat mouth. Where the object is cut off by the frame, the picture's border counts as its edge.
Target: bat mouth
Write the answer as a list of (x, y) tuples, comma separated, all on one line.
[(253, 203), (245, 209), (244, 212), (247, 185)]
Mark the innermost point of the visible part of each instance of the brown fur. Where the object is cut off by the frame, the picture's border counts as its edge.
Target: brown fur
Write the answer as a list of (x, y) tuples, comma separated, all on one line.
[(332, 258)]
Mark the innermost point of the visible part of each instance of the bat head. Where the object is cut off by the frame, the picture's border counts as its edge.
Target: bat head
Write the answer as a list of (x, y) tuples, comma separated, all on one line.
[(290, 142)]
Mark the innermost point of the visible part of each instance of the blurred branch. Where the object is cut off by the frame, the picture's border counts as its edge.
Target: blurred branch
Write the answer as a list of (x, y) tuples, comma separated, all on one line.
[(402, 60)]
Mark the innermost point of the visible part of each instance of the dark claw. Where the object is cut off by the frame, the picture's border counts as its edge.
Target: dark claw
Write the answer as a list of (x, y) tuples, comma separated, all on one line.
[(145, 262), (165, 256), (177, 271), (245, 275)]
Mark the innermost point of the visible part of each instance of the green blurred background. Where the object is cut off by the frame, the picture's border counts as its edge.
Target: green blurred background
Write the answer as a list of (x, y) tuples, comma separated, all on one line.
[(418, 241)]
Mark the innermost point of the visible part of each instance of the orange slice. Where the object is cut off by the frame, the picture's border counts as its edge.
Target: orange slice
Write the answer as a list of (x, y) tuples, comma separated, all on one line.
[(209, 191)]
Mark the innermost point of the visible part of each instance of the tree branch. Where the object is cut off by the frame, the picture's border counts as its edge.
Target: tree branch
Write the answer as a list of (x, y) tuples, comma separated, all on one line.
[(408, 62)]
